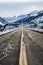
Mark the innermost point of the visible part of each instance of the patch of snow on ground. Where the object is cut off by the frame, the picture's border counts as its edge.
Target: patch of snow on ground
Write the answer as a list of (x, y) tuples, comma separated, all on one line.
[(35, 29), (4, 32)]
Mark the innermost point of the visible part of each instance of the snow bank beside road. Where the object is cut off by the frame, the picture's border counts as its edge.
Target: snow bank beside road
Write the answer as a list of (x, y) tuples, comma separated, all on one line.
[(36, 29), (4, 32), (7, 31), (39, 30)]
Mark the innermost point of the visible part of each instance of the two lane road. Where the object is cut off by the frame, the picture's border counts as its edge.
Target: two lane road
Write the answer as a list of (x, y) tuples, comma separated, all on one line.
[(10, 45)]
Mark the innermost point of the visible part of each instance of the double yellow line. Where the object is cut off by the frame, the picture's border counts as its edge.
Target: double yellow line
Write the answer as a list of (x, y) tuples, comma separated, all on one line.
[(23, 56)]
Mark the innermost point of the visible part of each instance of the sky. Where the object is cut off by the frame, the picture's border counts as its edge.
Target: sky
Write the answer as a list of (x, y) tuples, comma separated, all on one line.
[(19, 7)]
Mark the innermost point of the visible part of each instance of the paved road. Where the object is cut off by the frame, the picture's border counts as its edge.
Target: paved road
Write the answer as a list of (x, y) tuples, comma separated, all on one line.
[(33, 47), (10, 44), (10, 48), (23, 56)]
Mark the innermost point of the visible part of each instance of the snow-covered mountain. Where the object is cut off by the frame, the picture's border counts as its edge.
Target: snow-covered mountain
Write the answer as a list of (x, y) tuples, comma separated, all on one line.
[(34, 13), (10, 19), (14, 18), (33, 20), (37, 21), (2, 20)]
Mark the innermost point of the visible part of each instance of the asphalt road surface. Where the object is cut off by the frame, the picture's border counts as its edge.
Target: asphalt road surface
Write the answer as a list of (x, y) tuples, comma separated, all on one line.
[(10, 48), (10, 44), (34, 46)]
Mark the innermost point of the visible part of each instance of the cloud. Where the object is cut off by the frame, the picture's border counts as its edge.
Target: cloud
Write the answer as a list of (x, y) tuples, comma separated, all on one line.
[(20, 0), (18, 8)]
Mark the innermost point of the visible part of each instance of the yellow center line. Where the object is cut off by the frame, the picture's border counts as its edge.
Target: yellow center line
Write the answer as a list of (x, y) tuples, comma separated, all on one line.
[(23, 56)]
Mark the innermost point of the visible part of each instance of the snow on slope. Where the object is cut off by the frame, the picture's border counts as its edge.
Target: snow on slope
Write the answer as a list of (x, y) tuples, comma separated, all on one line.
[(37, 23), (4, 32), (38, 19), (34, 13), (7, 31), (1, 23), (35, 29), (14, 18), (10, 19), (34, 23)]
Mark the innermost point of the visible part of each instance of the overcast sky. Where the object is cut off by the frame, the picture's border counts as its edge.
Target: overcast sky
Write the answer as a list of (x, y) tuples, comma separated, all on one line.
[(18, 7)]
